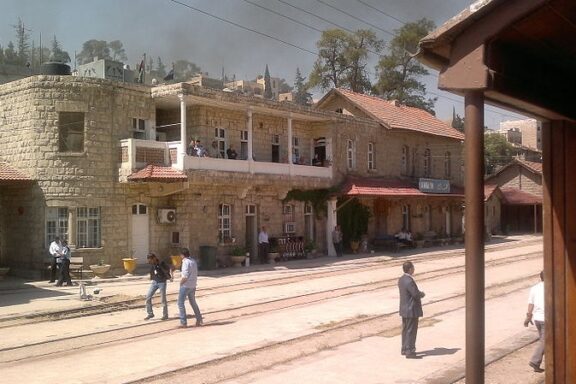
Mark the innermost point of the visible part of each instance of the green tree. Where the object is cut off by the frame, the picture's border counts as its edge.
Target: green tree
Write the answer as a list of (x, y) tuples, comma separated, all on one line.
[(399, 72), (302, 96), (94, 48), (284, 87), (58, 54), (23, 43), (10, 55), (342, 58), (160, 68), (116, 49), (457, 121), (497, 152), (267, 85), (2, 58)]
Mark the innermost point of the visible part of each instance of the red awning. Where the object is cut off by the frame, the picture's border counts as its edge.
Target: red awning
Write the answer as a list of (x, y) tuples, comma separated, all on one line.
[(155, 173), (390, 187), (9, 175), (513, 196)]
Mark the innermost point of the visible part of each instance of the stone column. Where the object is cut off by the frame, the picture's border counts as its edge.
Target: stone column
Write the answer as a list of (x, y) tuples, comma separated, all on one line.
[(72, 227), (331, 221), (183, 138)]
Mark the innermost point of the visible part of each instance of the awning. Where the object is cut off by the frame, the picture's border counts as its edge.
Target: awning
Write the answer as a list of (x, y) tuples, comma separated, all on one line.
[(392, 187), (513, 196), (10, 176), (155, 173)]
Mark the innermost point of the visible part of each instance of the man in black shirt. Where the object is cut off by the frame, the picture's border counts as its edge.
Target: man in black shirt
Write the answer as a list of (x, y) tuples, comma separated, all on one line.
[(159, 274)]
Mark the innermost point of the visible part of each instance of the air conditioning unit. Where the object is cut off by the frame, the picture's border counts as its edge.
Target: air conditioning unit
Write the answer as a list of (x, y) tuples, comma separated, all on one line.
[(167, 216)]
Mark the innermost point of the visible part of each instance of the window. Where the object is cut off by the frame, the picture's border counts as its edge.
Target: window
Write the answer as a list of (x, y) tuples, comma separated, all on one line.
[(447, 165), (139, 209), (88, 228), (308, 222), (275, 148), (220, 138), (243, 145), (289, 228), (224, 222), (138, 125), (250, 210), (405, 167), (56, 224), (288, 210), (350, 154), (175, 238), (295, 150), (371, 163), (71, 131), (427, 164)]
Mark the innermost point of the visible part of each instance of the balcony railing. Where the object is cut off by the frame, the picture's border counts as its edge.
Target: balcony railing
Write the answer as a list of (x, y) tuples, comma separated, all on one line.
[(136, 154)]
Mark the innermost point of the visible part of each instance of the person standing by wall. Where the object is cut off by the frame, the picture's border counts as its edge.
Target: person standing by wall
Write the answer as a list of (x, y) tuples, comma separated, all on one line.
[(410, 310), (535, 315), (55, 251), (337, 240), (64, 265), (263, 245), (159, 274), (188, 289)]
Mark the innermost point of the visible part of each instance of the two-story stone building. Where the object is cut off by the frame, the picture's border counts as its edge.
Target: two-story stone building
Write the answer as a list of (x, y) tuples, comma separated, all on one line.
[(104, 164)]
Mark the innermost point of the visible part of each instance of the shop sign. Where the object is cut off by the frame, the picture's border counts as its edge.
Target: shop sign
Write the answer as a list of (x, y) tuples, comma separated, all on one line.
[(434, 185)]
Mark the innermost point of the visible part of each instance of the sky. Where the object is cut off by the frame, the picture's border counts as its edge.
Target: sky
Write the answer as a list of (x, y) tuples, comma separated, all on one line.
[(251, 38)]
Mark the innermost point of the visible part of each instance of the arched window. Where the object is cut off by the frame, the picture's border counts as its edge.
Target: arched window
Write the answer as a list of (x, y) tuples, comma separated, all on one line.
[(427, 163), (405, 167), (447, 165)]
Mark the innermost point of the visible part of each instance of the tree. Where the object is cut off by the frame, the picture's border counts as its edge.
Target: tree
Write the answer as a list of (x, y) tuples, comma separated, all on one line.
[(10, 55), (23, 43), (58, 54), (302, 96), (116, 49), (160, 68), (2, 58), (284, 87), (185, 69), (457, 121), (342, 58), (267, 85), (497, 152), (94, 48), (399, 71)]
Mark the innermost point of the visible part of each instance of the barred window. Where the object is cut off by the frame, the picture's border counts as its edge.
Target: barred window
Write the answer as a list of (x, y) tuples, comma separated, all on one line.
[(427, 163), (71, 131), (224, 222), (56, 224), (405, 169), (88, 230), (371, 162)]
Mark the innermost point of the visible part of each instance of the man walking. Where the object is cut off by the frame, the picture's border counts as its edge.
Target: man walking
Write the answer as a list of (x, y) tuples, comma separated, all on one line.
[(410, 310), (55, 250), (535, 315), (159, 274), (188, 288)]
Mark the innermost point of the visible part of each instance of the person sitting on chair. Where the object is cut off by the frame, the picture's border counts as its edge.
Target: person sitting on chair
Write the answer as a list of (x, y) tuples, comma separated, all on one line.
[(404, 236)]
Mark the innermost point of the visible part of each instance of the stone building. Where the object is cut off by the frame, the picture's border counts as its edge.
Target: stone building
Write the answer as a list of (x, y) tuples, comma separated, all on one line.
[(527, 133), (104, 164), (408, 169)]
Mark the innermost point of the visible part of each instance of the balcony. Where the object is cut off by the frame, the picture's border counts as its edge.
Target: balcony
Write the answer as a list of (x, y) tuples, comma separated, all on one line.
[(135, 154)]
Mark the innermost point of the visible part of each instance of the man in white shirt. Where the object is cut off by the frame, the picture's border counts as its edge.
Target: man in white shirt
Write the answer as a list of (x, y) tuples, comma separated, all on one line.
[(55, 250), (535, 315), (188, 289), (263, 245)]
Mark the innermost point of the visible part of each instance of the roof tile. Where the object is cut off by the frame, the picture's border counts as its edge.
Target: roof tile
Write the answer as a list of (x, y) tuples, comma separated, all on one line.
[(158, 173)]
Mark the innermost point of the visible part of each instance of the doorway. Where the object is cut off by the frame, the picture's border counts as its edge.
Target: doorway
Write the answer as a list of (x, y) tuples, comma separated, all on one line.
[(140, 232)]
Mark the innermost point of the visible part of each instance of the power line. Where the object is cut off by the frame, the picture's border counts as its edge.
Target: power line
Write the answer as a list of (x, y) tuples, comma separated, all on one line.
[(245, 28), (382, 12), (282, 15), (354, 17)]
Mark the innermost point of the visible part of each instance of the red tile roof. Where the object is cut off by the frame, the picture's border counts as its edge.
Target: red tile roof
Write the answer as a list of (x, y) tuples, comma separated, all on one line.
[(489, 189), (513, 196), (531, 165), (398, 116), (158, 173), (10, 175), (388, 187)]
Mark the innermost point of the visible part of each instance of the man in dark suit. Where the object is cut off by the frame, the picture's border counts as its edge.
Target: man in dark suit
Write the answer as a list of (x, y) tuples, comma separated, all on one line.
[(410, 310)]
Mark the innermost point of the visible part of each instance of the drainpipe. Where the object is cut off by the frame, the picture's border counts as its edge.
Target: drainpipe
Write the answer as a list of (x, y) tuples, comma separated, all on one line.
[(249, 129), (183, 139), (474, 236)]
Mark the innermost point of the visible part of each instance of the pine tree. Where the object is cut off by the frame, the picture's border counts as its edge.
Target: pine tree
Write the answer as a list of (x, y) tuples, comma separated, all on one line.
[(301, 96), (22, 38), (267, 85)]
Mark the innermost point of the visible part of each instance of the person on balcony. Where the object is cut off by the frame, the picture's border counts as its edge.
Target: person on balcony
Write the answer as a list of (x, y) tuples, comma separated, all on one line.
[(191, 150), (231, 152), (215, 151), (199, 150)]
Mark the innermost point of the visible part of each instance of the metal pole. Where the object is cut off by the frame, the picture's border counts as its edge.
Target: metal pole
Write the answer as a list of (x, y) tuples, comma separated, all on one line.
[(474, 236)]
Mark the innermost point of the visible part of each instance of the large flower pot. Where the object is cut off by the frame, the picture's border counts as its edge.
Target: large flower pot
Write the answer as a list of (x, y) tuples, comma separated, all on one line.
[(237, 260), (129, 265), (272, 256), (354, 245), (176, 262), (100, 270)]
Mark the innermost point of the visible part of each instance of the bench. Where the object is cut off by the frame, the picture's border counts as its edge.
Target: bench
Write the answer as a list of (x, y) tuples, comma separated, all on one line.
[(389, 242), (76, 265)]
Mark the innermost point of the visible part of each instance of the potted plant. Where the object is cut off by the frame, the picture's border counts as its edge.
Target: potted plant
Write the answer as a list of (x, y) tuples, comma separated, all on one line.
[(237, 256), (129, 264), (273, 254), (100, 269), (310, 248)]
